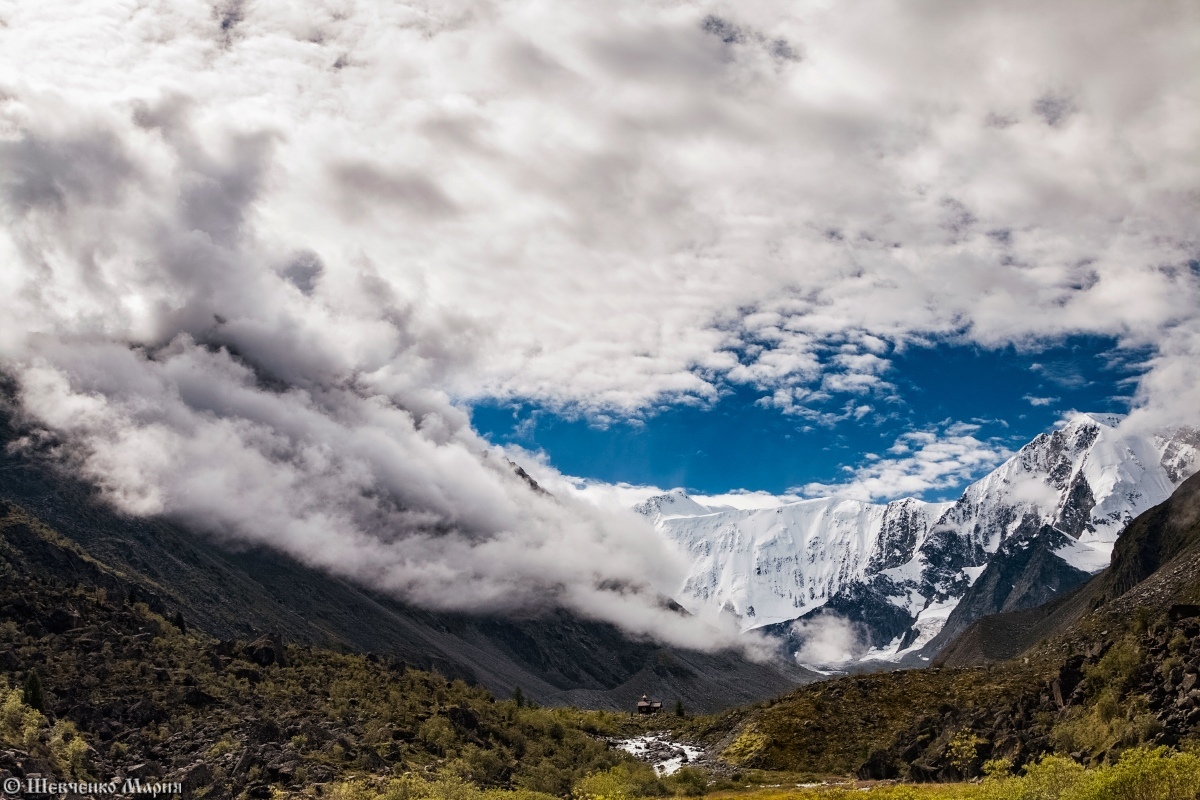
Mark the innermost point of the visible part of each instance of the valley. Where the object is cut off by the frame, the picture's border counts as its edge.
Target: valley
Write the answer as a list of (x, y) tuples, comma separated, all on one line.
[(130, 685), (524, 400)]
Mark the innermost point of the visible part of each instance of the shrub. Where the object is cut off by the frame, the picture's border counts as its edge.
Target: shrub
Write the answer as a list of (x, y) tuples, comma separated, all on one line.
[(1049, 779), (437, 733), (1116, 669), (963, 751), (687, 782), (67, 749), (622, 782), (1143, 774)]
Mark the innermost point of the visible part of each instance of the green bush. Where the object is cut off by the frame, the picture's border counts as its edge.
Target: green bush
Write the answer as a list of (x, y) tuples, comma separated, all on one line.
[(1116, 669), (622, 782), (1049, 779), (687, 782), (68, 749), (1143, 774)]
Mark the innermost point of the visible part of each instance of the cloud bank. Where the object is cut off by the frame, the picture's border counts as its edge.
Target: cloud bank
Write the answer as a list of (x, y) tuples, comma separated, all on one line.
[(256, 257)]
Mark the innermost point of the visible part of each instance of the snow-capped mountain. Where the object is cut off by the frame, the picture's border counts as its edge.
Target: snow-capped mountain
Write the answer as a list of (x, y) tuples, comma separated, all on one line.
[(898, 570)]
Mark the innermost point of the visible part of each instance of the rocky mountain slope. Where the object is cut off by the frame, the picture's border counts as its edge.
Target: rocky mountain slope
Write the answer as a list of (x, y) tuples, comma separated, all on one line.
[(97, 686), (899, 573), (556, 659)]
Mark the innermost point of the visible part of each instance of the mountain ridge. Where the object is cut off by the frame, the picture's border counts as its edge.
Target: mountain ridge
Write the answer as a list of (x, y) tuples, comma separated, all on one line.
[(1078, 485), (556, 659), (1110, 667)]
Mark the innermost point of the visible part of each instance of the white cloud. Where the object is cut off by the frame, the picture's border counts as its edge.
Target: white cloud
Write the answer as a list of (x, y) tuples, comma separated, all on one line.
[(1040, 401), (247, 270), (827, 640), (920, 462)]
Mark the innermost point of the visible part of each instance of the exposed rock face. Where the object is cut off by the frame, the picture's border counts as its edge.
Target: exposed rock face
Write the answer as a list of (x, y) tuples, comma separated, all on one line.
[(1067, 495), (1152, 565), (1023, 573)]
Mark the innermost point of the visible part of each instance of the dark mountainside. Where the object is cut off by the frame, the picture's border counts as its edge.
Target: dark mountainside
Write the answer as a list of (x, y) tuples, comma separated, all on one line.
[(227, 593), (97, 686), (1113, 665), (1024, 574)]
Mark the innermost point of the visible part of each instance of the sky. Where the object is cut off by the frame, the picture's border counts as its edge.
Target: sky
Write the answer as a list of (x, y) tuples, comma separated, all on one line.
[(281, 271), (991, 401)]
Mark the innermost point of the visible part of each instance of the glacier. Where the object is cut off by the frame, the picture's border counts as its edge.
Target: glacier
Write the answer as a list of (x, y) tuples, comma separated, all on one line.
[(899, 568)]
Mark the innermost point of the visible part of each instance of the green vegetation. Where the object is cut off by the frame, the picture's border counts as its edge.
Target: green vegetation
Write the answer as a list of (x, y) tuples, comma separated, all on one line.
[(106, 685), (1112, 717), (24, 726), (832, 727), (1140, 774), (330, 714)]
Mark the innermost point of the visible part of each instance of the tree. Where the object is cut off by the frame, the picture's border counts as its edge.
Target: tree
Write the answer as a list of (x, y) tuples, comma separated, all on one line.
[(178, 622), (678, 707), (518, 697), (31, 692)]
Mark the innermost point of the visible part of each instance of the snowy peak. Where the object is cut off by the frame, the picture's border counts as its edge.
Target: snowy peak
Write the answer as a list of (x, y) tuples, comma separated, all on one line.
[(675, 503), (1180, 454), (1095, 418), (1079, 484), (775, 564), (1088, 479)]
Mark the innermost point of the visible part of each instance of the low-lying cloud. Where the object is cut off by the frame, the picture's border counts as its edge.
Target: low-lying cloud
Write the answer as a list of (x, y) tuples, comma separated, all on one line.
[(826, 640), (253, 265)]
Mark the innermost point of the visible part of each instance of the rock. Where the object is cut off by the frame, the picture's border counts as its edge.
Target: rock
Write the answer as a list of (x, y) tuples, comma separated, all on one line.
[(1180, 611), (244, 763), (263, 731), (225, 649), (463, 718), (195, 776), (259, 791), (198, 698), (61, 620), (283, 768), (267, 650), (248, 674), (878, 767), (370, 759)]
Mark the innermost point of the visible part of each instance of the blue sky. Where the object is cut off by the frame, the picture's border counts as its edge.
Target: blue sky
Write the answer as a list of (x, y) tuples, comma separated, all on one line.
[(739, 443)]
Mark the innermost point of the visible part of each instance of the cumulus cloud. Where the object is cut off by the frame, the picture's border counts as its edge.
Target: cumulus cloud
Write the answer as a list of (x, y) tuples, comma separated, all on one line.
[(919, 462), (254, 262)]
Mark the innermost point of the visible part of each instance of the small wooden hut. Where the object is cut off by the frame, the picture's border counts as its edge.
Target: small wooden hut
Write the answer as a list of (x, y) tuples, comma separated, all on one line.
[(648, 706)]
